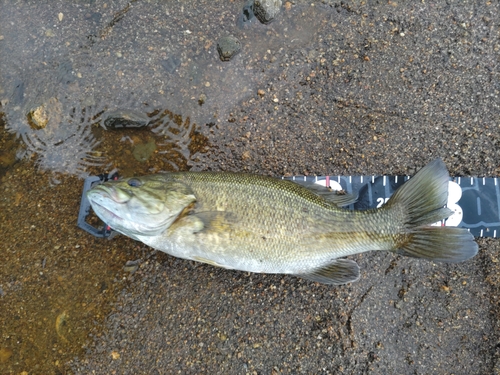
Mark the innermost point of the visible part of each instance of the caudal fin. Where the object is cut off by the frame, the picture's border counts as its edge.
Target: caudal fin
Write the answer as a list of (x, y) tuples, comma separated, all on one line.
[(419, 203)]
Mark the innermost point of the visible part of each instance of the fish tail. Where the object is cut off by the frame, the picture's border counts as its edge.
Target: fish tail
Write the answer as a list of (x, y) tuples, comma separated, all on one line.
[(418, 204)]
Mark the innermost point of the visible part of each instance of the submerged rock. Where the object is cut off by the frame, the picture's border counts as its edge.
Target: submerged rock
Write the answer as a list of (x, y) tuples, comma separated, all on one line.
[(125, 118), (50, 111), (228, 46)]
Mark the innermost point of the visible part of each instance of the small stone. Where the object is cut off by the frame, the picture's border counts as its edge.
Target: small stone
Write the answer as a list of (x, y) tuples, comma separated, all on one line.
[(266, 10), (38, 117), (60, 16), (131, 269), (261, 92), (5, 354), (228, 46), (202, 99)]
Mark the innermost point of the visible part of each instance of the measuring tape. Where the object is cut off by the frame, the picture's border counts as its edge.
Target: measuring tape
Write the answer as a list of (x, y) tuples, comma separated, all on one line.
[(474, 201)]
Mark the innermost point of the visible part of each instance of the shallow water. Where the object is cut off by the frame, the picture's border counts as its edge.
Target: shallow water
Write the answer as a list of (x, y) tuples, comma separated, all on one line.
[(68, 67)]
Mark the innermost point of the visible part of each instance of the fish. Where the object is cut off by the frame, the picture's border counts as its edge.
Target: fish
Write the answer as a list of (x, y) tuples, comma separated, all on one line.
[(263, 224)]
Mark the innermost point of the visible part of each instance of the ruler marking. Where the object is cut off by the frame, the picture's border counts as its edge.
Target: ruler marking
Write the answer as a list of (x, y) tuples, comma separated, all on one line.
[(479, 186)]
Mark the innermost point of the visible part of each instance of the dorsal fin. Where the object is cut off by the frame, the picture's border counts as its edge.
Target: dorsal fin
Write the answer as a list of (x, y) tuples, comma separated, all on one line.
[(339, 198)]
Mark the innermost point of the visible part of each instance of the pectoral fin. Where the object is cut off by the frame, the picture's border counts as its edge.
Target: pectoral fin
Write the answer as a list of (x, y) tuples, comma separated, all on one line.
[(340, 271), (186, 225), (208, 261)]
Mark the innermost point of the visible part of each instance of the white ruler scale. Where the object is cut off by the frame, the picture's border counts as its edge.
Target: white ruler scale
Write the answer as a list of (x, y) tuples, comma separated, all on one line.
[(475, 201)]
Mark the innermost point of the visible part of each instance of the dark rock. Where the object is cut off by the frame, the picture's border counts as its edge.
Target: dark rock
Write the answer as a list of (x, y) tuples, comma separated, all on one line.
[(228, 46), (125, 118), (266, 10)]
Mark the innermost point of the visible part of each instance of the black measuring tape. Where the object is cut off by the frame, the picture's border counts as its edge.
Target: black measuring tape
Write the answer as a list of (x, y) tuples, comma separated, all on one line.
[(474, 201)]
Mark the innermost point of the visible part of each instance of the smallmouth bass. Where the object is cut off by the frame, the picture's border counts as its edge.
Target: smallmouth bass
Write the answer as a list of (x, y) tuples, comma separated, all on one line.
[(262, 224)]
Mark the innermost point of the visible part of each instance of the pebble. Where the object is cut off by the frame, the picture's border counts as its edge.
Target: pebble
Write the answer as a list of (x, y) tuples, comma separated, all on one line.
[(5, 354), (228, 46)]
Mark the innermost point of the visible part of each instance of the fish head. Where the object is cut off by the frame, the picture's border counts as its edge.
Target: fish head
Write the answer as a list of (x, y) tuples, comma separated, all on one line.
[(144, 206)]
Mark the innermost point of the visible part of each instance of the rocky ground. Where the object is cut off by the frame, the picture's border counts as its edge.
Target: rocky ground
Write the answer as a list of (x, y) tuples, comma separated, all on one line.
[(328, 87)]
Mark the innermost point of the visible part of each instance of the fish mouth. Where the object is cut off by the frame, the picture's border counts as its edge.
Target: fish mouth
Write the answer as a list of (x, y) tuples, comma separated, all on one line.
[(105, 214)]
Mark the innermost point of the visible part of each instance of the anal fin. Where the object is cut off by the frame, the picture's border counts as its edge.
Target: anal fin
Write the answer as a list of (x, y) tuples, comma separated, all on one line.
[(340, 271)]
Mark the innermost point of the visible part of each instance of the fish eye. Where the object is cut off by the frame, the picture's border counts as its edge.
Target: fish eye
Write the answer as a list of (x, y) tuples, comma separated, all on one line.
[(134, 182)]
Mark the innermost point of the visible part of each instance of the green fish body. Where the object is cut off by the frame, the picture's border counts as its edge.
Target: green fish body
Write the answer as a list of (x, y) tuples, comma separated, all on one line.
[(262, 224)]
